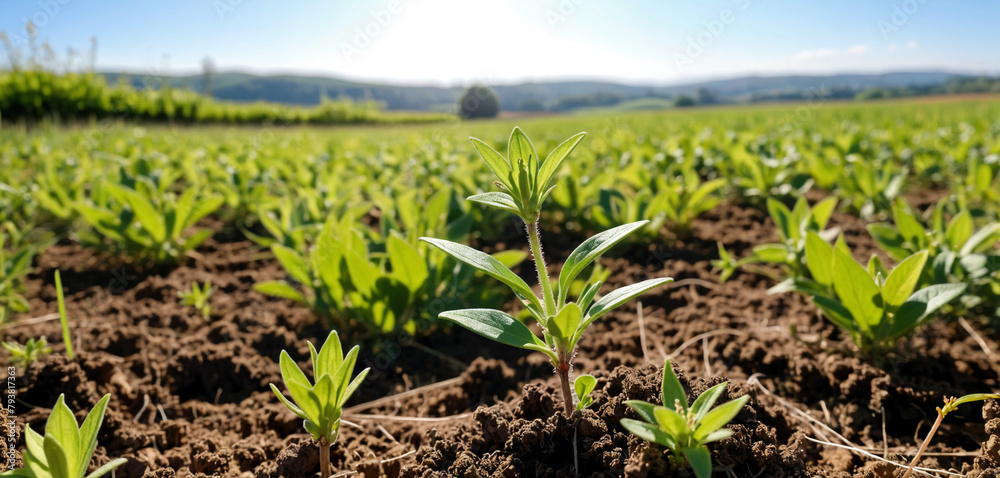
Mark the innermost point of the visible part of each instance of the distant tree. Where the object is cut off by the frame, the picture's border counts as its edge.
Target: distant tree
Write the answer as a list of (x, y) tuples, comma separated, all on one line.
[(684, 101), (530, 104), (208, 66), (706, 97), (479, 101)]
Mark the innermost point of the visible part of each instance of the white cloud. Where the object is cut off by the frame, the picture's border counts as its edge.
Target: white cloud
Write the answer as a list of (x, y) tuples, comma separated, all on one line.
[(815, 54), (857, 49), (892, 47), (911, 45)]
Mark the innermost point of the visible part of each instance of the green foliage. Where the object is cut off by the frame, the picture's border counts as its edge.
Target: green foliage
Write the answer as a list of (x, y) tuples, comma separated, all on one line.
[(319, 403), (198, 297), (142, 219), (793, 226), (15, 264), (685, 428), (35, 94), (527, 181), (65, 450), (875, 307), (27, 354), (957, 251)]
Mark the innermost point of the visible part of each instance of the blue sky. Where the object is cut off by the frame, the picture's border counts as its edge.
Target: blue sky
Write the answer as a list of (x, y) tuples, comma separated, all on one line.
[(460, 41)]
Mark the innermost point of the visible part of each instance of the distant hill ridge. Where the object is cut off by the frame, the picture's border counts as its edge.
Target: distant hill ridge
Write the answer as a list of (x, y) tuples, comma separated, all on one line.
[(308, 90)]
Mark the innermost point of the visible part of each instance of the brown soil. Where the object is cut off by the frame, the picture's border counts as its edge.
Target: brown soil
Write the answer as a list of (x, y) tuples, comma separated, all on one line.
[(190, 397)]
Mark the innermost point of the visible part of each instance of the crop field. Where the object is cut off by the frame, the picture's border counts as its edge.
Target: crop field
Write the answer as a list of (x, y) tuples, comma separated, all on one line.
[(777, 290)]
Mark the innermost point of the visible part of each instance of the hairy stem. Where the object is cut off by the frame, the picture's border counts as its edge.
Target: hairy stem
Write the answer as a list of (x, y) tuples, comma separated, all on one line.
[(562, 370), (923, 446), (324, 458), (534, 237)]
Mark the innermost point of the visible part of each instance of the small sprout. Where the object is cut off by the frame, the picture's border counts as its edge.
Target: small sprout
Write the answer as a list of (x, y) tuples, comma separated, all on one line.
[(198, 297), (27, 354), (584, 384), (65, 450), (685, 429), (950, 404), (321, 404), (63, 320)]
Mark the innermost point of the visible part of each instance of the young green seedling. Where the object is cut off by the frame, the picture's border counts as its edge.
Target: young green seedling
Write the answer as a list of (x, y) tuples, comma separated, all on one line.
[(65, 450), (685, 429), (320, 404), (874, 306), (526, 182), (27, 354), (63, 319), (950, 404), (583, 385), (197, 297)]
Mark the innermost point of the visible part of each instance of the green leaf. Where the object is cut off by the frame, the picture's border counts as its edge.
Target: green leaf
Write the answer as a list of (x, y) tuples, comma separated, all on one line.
[(62, 426), (618, 297), (487, 264), (497, 163), (719, 416), (330, 356), (902, 280), (835, 311), (647, 411), (353, 386), (293, 263), (921, 305), (407, 264), (649, 432), (280, 289), (290, 372), (107, 468), (291, 406), (519, 147), (700, 460), (959, 230), (342, 377), (821, 213), (498, 200), (555, 159), (771, 253), (565, 323), (494, 325), (706, 400), (671, 390), (857, 291), (717, 435), (55, 457), (88, 432), (975, 397), (986, 236), (670, 421), (588, 251), (587, 297), (819, 259), (583, 385), (888, 239), (781, 216), (144, 211)]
